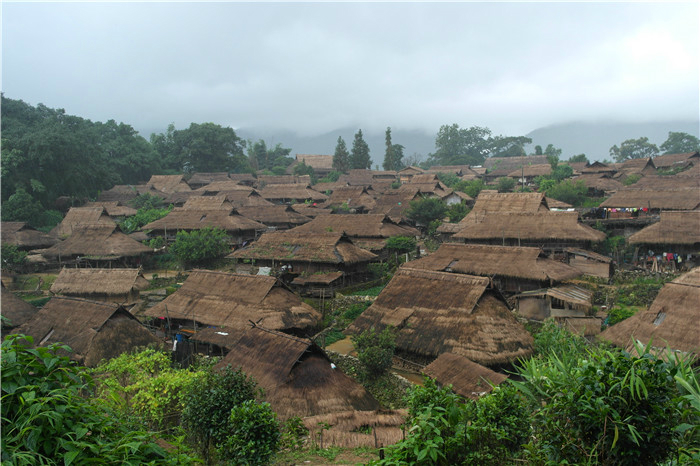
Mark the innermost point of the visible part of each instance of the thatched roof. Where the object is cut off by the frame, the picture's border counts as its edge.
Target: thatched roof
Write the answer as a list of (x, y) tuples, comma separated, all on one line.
[(183, 219), (577, 297), (15, 310), (296, 375), (459, 170), (169, 183), (219, 336), (411, 170), (673, 160), (488, 261), (114, 208), (681, 227), (200, 203), (273, 214), (293, 246), (673, 197), (317, 162), (202, 179), (345, 429), (217, 187), (394, 203), (599, 182), (310, 210), (25, 237), (109, 282), (124, 193), (545, 225), (540, 169), (437, 312), (97, 241), (233, 300), (671, 320), (299, 192), (367, 225), (501, 166), (324, 279), (245, 198), (492, 201), (80, 216), (468, 379), (264, 180), (330, 186), (557, 204), (599, 167), (354, 196), (94, 330)]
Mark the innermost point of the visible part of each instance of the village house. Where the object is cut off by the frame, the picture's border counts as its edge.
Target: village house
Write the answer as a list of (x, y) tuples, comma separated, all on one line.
[(81, 216), (668, 162), (93, 330), (652, 194), (599, 168), (406, 173), (280, 217), (497, 167), (351, 199), (639, 167), (291, 194), (116, 210), (121, 286), (599, 184), (527, 174), (265, 180), (14, 310), (467, 378), (669, 324), (676, 233), (232, 301), (25, 237), (438, 312), (321, 164), (559, 302), (590, 263), (296, 374), (169, 184), (200, 179), (123, 194), (395, 202)]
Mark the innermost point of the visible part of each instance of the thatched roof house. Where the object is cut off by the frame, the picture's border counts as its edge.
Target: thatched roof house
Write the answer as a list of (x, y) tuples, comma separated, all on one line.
[(231, 300), (302, 253), (15, 311), (296, 375), (599, 184), (221, 186), (368, 231), (264, 180), (311, 210), (200, 203), (438, 312), (114, 285), (599, 167), (98, 243), (468, 379), (559, 302), (114, 209), (501, 166), (200, 179), (658, 193), (81, 216), (459, 170), (321, 164), (528, 172), (123, 193), (642, 167), (355, 198), (513, 269), (352, 429), (670, 161), (675, 228), (277, 216), (394, 203), (169, 183), (288, 193), (493, 201), (239, 227), (670, 322), (590, 263), (25, 237), (94, 330)]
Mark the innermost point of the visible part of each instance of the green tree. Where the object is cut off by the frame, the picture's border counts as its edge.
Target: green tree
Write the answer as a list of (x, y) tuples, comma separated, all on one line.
[(472, 188), (569, 191), (580, 158), (144, 216), (375, 350), (393, 155), (457, 146), (252, 436), (505, 184), (634, 149), (538, 150), (12, 258), (457, 212), (21, 207), (510, 146), (680, 143), (552, 151), (341, 157), (359, 154), (199, 246), (426, 210), (303, 169)]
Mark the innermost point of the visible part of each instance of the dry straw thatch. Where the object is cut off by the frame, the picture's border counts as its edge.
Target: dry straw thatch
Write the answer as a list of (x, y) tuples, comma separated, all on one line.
[(114, 208), (347, 429), (81, 216), (600, 182), (317, 162), (296, 375), (182, 219), (202, 179), (468, 379), (488, 261), (356, 226), (200, 203), (298, 192), (293, 246), (232, 301), (673, 160), (93, 330), (25, 237), (273, 215), (540, 169), (169, 183), (264, 180), (354, 197), (491, 201), (670, 322), (437, 312), (15, 310), (97, 241), (673, 228), (117, 285)]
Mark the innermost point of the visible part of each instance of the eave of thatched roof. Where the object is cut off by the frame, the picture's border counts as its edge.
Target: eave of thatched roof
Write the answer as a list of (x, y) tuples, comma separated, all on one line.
[(181, 219), (114, 208), (345, 429), (310, 210), (579, 298), (354, 196), (169, 183), (682, 228), (25, 237), (545, 225), (233, 300), (294, 246), (201, 179), (540, 169), (467, 378), (437, 312), (670, 160), (291, 191), (273, 214), (200, 203), (488, 261), (503, 165), (98, 281), (316, 161), (296, 375), (324, 279), (217, 187), (671, 320), (367, 226), (80, 216), (492, 201), (666, 199), (97, 241), (599, 182), (266, 180), (15, 310)]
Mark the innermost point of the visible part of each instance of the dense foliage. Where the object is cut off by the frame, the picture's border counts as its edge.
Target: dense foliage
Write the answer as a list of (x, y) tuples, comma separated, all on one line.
[(425, 210), (359, 154), (12, 258), (375, 350), (198, 246), (144, 216), (252, 436)]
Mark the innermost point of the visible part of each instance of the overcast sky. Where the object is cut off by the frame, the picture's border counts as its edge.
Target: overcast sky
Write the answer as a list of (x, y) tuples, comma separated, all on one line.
[(315, 67)]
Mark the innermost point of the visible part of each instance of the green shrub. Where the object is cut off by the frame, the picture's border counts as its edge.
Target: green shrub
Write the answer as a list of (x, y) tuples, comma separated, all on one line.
[(619, 313), (375, 350), (12, 258), (199, 246), (505, 184), (355, 310), (252, 436), (144, 216)]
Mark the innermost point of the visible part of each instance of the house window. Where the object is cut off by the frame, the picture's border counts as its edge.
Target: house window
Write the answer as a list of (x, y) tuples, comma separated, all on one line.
[(659, 318)]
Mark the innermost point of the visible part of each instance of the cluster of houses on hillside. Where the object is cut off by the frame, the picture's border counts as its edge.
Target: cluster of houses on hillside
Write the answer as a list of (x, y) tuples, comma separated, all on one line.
[(457, 312)]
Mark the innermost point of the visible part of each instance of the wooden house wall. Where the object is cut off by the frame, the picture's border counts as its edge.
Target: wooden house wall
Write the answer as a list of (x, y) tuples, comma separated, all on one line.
[(534, 308)]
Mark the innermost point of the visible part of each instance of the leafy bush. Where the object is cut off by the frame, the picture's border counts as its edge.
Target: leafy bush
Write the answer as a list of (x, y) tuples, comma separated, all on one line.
[(146, 201), (631, 179), (505, 184), (425, 210), (12, 258), (252, 436), (355, 309), (457, 212), (198, 246), (144, 216), (552, 339), (375, 350), (157, 242), (401, 244), (569, 191), (471, 188)]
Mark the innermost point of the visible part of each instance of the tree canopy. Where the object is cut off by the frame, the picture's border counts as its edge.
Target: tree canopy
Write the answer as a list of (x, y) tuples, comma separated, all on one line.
[(471, 146), (634, 149), (341, 157), (359, 154), (680, 143), (393, 155)]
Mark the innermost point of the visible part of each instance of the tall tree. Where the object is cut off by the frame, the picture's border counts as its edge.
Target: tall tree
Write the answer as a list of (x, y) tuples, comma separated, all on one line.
[(508, 146), (634, 149), (680, 143), (393, 155), (341, 157), (359, 155), (456, 146)]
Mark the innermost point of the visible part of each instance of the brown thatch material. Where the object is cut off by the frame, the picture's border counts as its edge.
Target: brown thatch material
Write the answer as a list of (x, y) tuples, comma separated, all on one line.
[(245, 198), (356, 226), (296, 375), (468, 379), (81, 216), (599, 167), (124, 193), (281, 216), (501, 166), (528, 226), (393, 203), (437, 312), (529, 171), (317, 162), (14, 309), (265, 180), (200, 203), (326, 188), (664, 162), (492, 201), (25, 237), (97, 241), (294, 246), (675, 199), (116, 285), (169, 183), (584, 326), (673, 228), (600, 182), (488, 261), (93, 330), (343, 429), (354, 197), (232, 301), (197, 180), (183, 219), (324, 279), (220, 336), (671, 320), (459, 170), (575, 297), (310, 210), (221, 186), (286, 192), (555, 204), (114, 209)]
